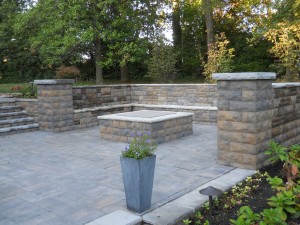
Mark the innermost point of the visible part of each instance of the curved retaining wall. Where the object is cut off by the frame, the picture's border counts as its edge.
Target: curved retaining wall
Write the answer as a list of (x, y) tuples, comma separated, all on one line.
[(286, 113)]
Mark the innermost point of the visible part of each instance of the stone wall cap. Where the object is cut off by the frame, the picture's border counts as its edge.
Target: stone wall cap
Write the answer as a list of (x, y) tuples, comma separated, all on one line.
[(120, 117), (141, 85), (103, 85), (187, 107), (51, 82), (177, 85), (244, 76), (26, 99), (283, 85), (106, 107)]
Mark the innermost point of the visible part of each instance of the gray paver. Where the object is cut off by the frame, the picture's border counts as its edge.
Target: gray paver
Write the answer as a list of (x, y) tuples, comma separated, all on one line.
[(168, 214), (116, 218), (74, 177)]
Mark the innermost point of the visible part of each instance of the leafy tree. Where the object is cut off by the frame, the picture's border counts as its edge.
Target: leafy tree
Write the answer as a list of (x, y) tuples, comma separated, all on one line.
[(188, 26), (209, 21), (220, 58), (286, 40), (242, 21), (18, 62), (162, 63), (108, 31), (284, 33)]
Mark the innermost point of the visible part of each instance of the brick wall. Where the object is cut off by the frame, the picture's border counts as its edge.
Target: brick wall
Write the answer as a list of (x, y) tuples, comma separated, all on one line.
[(93, 96), (174, 94), (286, 113)]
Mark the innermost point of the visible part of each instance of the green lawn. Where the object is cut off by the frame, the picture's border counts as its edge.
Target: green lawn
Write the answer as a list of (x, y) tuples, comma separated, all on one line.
[(13, 87)]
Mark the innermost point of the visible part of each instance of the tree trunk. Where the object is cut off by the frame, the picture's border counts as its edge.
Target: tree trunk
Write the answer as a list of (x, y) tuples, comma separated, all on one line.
[(208, 12), (176, 26), (98, 60), (124, 72), (291, 75)]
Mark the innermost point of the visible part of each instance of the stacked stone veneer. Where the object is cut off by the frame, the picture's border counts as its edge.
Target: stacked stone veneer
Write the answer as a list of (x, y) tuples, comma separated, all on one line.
[(84, 118), (244, 118), (93, 96), (92, 101), (286, 113), (31, 107), (160, 131), (55, 105), (156, 94), (175, 94)]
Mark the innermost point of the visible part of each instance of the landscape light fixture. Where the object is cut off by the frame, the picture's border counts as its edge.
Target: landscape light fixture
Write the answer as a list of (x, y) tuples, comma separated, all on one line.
[(210, 191)]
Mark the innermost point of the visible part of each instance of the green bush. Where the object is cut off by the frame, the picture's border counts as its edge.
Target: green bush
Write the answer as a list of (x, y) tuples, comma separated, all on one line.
[(162, 63)]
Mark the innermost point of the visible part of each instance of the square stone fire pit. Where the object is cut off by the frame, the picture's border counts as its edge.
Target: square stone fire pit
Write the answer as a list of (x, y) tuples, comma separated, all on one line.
[(162, 125)]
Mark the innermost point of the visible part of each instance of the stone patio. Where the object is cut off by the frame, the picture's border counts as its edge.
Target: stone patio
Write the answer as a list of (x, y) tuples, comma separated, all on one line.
[(74, 177)]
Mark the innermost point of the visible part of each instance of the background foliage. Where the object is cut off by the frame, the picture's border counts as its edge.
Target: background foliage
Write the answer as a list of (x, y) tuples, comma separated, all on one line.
[(120, 40)]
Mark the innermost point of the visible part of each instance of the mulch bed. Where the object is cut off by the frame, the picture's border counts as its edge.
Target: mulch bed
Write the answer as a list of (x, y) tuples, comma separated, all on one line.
[(256, 199)]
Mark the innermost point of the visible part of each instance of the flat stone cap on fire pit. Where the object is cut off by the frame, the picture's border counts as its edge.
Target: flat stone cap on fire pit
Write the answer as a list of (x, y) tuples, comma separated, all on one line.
[(146, 116)]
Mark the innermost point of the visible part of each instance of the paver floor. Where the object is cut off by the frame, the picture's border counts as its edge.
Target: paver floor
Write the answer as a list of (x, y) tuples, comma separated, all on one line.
[(74, 177)]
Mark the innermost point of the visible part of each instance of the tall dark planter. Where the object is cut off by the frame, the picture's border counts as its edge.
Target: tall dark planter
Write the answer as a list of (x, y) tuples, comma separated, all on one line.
[(138, 182)]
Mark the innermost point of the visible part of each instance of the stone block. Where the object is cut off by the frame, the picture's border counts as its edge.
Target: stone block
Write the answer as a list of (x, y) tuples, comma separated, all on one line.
[(223, 105), (105, 90), (242, 106), (243, 148), (256, 117), (223, 145), (229, 116), (237, 126), (230, 95), (264, 136)]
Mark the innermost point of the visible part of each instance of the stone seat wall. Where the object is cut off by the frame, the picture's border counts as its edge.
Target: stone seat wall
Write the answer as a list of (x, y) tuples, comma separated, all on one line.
[(87, 117)]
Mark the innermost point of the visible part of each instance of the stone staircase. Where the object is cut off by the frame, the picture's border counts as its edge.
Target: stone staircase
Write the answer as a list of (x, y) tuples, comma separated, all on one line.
[(13, 119)]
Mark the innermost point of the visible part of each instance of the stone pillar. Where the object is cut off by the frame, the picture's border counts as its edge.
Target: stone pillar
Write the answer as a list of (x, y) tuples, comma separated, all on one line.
[(55, 103), (244, 118)]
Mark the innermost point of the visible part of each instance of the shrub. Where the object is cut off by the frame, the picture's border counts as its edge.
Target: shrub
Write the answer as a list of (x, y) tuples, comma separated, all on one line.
[(67, 72), (219, 58), (140, 147), (162, 63)]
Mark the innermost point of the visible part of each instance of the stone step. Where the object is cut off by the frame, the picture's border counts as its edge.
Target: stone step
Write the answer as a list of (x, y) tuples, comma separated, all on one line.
[(16, 122), (7, 102), (12, 108), (13, 115), (19, 129)]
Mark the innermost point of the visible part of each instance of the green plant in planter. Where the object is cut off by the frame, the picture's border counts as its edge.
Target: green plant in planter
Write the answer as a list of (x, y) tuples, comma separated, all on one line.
[(140, 147), (138, 165)]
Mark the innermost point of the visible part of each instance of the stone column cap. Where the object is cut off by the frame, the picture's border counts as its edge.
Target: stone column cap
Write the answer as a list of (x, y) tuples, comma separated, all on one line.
[(244, 76), (52, 82)]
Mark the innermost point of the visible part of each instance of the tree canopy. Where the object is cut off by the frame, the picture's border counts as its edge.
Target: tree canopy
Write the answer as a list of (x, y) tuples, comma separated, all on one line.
[(115, 39)]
